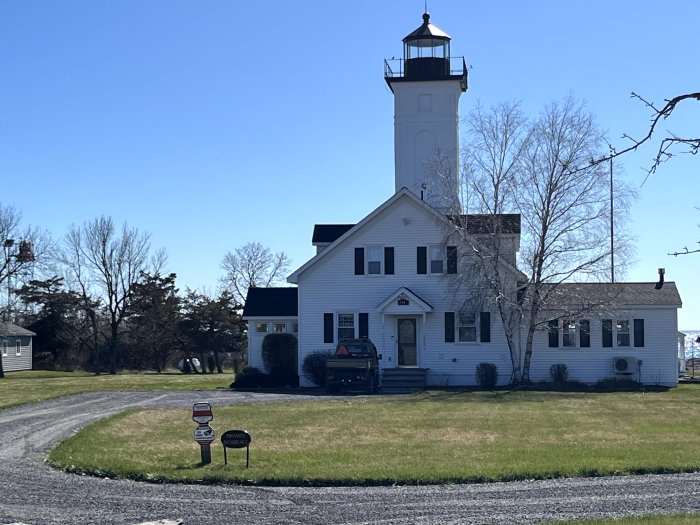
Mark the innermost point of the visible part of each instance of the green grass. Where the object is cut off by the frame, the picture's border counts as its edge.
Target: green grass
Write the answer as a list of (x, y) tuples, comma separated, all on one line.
[(432, 437), (18, 388), (671, 519)]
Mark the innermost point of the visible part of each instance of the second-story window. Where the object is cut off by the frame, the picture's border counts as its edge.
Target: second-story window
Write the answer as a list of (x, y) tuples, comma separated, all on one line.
[(374, 260), (437, 259)]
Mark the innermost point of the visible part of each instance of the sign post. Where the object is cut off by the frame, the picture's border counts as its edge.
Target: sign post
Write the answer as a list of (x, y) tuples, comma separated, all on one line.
[(204, 434), (236, 439)]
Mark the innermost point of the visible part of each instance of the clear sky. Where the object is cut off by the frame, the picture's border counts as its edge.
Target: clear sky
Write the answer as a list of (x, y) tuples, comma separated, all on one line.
[(212, 124)]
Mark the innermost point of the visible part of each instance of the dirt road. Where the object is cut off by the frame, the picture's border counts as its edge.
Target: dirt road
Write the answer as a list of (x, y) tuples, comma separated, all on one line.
[(32, 493)]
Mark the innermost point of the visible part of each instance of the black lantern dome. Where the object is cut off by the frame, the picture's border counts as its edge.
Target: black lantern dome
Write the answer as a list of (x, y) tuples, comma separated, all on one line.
[(426, 56), (427, 51)]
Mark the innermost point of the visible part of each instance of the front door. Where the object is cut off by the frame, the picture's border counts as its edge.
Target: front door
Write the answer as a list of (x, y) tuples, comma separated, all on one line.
[(407, 342)]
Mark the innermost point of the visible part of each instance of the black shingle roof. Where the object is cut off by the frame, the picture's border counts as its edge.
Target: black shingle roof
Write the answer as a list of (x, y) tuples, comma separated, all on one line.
[(329, 232), (271, 302), (483, 224), (616, 294)]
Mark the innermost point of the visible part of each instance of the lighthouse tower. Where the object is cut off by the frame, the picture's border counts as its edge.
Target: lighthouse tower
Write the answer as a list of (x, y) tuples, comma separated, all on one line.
[(427, 84)]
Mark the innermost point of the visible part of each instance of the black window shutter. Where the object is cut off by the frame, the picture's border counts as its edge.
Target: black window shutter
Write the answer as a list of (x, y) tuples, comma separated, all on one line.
[(449, 327), (359, 261), (364, 325), (422, 260), (389, 260), (451, 259), (553, 327), (328, 328), (639, 332), (607, 333), (485, 327), (585, 333)]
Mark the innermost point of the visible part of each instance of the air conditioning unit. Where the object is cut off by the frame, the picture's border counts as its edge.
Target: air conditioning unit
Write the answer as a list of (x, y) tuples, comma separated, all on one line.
[(625, 365)]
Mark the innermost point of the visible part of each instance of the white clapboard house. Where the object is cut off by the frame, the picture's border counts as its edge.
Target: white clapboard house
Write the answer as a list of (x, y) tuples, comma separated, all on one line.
[(391, 277)]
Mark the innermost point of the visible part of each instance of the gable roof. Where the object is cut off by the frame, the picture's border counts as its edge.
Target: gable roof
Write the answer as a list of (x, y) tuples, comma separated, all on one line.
[(618, 294), (271, 302), (403, 193), (13, 330)]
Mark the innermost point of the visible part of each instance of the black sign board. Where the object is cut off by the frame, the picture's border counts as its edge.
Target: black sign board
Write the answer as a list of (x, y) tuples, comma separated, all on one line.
[(236, 439), (403, 302)]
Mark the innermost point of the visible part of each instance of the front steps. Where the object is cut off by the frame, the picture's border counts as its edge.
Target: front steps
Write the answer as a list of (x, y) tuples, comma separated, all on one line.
[(403, 380)]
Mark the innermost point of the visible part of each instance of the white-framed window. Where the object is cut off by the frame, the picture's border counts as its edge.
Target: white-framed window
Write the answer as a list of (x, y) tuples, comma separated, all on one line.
[(437, 256), (4, 348), (374, 260), (295, 327), (568, 338), (261, 328), (18, 348), (622, 327), (346, 326), (466, 328), (279, 328)]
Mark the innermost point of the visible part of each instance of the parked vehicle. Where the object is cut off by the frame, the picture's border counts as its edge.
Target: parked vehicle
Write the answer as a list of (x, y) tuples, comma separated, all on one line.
[(355, 366)]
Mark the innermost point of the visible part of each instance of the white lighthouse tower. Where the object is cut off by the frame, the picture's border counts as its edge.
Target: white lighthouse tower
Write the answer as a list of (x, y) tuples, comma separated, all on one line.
[(427, 84)]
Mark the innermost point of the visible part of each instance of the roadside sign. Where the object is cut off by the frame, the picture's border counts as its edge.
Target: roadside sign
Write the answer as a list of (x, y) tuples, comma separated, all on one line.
[(204, 435), (201, 413), (236, 439)]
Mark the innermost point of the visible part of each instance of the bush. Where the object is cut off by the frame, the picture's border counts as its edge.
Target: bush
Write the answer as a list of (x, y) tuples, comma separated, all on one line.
[(280, 351), (486, 375), (282, 377), (314, 366), (617, 384), (559, 373), (250, 377), (43, 361)]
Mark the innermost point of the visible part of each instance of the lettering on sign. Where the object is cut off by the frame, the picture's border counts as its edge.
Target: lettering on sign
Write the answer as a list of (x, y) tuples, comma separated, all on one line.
[(204, 434), (403, 302), (235, 439)]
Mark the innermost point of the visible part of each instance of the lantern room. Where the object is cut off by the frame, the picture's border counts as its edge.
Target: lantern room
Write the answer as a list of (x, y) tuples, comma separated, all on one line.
[(426, 52)]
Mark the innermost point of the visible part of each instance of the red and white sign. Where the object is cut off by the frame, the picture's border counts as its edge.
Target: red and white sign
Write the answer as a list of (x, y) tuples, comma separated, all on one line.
[(201, 413), (204, 435)]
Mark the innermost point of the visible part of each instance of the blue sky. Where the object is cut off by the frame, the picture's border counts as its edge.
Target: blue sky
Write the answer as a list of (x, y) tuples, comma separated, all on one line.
[(212, 124)]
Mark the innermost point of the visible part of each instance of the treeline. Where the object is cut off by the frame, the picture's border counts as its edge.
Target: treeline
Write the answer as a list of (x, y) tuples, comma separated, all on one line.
[(158, 328), (100, 300)]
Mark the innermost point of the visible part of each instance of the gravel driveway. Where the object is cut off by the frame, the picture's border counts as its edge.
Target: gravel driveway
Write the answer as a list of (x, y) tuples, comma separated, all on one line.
[(32, 493)]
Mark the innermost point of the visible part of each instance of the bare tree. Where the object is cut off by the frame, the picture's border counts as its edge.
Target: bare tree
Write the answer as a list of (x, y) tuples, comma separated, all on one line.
[(542, 170), (492, 160), (19, 248), (105, 263), (670, 143), (667, 146), (252, 266)]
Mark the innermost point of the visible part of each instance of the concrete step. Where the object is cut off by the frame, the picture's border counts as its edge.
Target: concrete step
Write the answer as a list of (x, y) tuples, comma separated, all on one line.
[(403, 380)]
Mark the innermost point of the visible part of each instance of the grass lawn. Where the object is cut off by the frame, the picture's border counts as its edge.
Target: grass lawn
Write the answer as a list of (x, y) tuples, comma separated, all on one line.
[(18, 388), (431, 437), (672, 519)]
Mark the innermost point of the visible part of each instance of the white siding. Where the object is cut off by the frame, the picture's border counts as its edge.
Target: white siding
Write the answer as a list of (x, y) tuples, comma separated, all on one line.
[(12, 362), (255, 338), (331, 286), (658, 356)]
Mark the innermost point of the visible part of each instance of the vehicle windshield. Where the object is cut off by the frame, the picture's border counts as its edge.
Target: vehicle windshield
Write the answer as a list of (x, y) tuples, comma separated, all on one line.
[(356, 350)]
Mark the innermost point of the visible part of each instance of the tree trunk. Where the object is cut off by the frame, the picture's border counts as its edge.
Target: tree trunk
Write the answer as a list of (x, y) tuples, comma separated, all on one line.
[(2, 369)]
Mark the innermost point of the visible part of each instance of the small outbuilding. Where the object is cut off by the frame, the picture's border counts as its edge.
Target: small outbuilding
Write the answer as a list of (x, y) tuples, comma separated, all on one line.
[(16, 347)]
